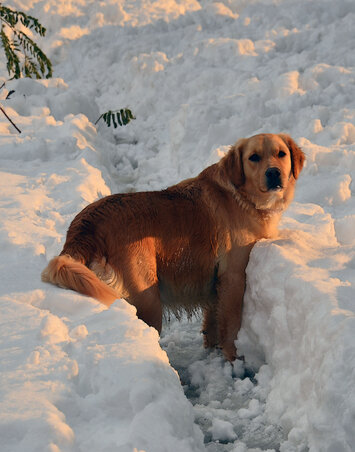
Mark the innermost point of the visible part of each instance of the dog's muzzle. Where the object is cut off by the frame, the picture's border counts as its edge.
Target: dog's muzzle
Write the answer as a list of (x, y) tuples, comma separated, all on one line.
[(273, 179)]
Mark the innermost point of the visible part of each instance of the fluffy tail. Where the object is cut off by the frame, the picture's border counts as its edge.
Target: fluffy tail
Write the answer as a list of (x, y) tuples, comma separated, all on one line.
[(68, 273)]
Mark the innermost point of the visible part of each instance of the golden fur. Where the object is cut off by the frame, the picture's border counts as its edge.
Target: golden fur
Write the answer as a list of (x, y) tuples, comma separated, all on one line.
[(187, 246)]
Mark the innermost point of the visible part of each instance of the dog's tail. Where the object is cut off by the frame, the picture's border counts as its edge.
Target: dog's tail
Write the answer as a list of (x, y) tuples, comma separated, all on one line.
[(66, 272)]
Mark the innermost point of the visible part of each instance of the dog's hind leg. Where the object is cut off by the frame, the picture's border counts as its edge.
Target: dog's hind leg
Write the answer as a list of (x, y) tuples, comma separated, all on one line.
[(138, 269), (149, 308)]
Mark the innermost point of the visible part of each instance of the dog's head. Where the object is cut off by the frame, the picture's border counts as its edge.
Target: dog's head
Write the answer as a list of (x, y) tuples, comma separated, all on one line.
[(265, 167)]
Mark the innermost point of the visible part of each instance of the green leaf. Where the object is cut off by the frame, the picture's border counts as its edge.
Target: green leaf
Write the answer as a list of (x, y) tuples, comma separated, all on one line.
[(114, 121), (13, 62), (130, 114)]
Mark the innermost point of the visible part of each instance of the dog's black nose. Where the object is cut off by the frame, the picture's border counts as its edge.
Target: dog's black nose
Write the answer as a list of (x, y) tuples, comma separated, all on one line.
[(273, 178)]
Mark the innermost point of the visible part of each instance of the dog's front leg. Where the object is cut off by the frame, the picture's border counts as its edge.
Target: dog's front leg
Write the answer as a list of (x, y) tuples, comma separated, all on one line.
[(230, 292), (229, 314), (209, 326)]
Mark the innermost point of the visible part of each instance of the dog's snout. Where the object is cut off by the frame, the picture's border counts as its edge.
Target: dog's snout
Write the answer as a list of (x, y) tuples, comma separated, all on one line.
[(273, 178)]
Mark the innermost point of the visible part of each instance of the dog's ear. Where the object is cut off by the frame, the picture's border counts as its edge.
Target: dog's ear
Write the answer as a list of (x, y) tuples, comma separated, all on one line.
[(233, 163), (297, 155)]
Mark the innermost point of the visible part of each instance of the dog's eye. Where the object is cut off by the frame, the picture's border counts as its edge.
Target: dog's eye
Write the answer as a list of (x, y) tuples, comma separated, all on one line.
[(281, 154), (255, 158)]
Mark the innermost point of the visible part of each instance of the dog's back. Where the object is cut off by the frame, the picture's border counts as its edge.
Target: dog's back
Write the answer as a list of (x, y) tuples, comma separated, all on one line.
[(105, 230)]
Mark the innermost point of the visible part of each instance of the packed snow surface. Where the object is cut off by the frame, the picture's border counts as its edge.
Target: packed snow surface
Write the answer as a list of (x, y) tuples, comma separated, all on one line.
[(76, 376)]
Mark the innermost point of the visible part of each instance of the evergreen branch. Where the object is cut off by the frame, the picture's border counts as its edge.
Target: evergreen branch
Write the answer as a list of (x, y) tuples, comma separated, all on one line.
[(11, 18), (29, 45), (118, 117), (13, 61), (23, 55), (31, 68)]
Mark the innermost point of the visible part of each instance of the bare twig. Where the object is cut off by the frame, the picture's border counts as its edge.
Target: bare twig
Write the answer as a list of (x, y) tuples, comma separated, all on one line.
[(19, 131), (9, 94)]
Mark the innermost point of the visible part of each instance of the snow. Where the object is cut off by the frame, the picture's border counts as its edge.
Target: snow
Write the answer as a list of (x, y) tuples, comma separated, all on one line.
[(76, 376)]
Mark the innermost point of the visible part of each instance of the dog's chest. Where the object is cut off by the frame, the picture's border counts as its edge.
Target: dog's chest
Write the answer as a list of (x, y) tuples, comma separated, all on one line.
[(188, 294)]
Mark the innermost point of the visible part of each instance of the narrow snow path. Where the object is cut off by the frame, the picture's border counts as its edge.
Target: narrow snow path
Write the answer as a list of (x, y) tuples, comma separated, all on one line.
[(229, 404)]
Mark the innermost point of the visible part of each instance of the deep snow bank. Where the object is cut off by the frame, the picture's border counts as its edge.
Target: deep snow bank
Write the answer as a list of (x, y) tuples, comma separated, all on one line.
[(292, 298), (198, 76), (79, 377)]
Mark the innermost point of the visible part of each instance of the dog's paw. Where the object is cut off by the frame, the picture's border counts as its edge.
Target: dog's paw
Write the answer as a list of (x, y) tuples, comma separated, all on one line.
[(230, 352)]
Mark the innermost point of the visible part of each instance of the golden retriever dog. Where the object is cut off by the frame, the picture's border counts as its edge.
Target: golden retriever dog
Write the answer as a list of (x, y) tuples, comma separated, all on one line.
[(185, 247)]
